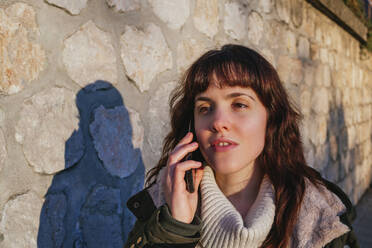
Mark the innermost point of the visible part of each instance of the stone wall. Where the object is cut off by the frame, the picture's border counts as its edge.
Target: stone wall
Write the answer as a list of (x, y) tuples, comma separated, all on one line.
[(62, 179)]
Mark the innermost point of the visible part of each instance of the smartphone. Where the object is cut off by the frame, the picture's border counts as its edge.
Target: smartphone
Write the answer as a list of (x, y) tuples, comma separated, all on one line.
[(189, 178)]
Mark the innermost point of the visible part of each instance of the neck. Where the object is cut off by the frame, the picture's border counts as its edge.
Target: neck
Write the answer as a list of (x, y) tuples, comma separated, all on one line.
[(241, 188)]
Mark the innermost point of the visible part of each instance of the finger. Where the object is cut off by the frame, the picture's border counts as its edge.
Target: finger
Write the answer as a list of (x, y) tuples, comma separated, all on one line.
[(181, 168), (179, 154), (185, 140), (198, 177)]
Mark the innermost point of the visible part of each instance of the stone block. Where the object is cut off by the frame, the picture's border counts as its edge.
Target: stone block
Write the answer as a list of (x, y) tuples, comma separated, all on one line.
[(309, 75), (349, 116), (3, 151), (308, 24), (270, 38), (366, 99), (235, 21), (265, 6), (323, 75), (159, 114), (138, 130), (354, 97), (320, 101), (318, 130), (88, 55), (319, 36), (20, 221), (365, 151), (342, 140), (283, 9), (360, 173), (22, 59), (366, 130), (2, 117), (206, 17), (124, 5), (305, 99), (47, 120), (255, 27), (309, 155), (331, 172), (322, 157), (346, 97), (289, 42), (333, 147), (145, 54), (366, 112), (303, 48), (188, 50), (290, 70), (112, 132), (297, 12), (358, 114), (314, 52), (324, 55), (173, 12), (72, 7), (351, 136)]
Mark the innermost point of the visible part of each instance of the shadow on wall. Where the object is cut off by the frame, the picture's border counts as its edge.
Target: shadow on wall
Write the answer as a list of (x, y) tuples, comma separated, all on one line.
[(85, 206), (336, 169), (344, 155)]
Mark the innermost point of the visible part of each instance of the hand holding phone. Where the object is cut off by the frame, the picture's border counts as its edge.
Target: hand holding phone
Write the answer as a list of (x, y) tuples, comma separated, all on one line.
[(180, 187)]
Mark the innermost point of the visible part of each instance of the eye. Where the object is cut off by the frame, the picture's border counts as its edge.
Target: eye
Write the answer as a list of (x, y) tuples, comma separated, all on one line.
[(240, 105), (203, 109)]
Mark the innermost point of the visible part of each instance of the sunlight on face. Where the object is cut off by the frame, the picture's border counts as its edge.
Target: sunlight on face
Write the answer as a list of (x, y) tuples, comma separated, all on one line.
[(230, 125)]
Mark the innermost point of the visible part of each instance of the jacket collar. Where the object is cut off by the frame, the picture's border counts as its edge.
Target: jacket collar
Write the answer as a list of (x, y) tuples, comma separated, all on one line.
[(319, 218)]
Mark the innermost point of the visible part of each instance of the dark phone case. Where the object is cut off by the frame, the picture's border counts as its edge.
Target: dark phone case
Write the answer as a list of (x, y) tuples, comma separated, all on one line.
[(189, 178)]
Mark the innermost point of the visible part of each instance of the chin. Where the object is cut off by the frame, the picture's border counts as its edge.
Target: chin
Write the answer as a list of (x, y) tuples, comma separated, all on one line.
[(224, 167)]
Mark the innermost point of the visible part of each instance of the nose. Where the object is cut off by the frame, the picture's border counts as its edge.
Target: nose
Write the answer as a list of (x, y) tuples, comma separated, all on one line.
[(220, 121)]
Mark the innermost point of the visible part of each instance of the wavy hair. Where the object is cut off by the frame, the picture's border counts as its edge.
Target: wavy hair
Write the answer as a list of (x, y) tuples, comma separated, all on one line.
[(282, 158)]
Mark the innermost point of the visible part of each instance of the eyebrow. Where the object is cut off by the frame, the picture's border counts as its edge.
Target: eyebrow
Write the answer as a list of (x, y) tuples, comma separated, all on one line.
[(231, 95)]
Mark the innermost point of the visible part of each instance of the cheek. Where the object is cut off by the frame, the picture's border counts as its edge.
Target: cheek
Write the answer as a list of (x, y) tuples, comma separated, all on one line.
[(198, 126), (255, 132)]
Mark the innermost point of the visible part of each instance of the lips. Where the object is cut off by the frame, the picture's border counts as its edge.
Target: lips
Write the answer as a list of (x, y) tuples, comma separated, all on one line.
[(223, 144)]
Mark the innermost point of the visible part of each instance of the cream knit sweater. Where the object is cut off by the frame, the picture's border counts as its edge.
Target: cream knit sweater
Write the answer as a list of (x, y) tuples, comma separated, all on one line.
[(223, 226)]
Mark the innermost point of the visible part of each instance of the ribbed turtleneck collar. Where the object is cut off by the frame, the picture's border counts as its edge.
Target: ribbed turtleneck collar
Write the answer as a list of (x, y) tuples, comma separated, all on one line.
[(224, 227)]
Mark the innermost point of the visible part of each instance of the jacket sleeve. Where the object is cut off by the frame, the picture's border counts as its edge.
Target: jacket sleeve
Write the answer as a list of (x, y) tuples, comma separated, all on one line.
[(156, 228), (347, 218)]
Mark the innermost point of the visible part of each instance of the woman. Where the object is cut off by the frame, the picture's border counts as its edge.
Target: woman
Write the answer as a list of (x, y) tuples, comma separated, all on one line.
[(253, 187)]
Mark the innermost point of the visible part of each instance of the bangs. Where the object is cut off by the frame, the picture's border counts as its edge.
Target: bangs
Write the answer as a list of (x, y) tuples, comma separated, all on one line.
[(223, 69)]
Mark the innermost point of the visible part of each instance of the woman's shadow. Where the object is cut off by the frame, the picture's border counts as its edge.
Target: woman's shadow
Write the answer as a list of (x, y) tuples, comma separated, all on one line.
[(85, 206)]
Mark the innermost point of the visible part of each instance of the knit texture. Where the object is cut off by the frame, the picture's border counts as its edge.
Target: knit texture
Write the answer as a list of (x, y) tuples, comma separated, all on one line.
[(223, 226)]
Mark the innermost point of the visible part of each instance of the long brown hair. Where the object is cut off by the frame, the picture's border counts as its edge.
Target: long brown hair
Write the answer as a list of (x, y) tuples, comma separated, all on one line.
[(282, 158)]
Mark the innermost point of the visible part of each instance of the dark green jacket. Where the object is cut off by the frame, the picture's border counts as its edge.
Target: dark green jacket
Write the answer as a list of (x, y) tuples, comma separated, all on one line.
[(155, 227)]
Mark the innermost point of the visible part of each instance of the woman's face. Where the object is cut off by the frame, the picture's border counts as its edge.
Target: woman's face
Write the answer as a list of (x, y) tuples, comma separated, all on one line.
[(230, 125)]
